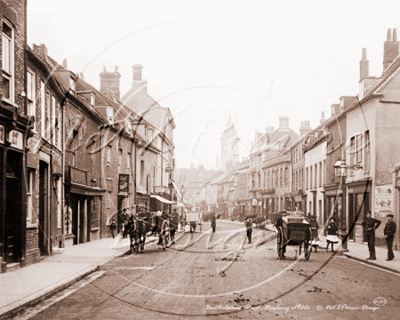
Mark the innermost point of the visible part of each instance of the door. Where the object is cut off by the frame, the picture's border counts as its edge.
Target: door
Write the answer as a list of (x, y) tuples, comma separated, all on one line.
[(351, 217), (43, 208), (13, 207)]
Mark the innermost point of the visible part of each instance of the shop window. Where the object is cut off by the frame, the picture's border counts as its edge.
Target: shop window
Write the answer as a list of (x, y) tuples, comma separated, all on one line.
[(59, 211), (95, 213)]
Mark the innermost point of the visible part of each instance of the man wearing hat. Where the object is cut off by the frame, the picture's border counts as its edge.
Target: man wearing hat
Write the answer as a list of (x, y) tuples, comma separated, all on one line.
[(370, 225), (279, 223), (249, 228), (390, 230)]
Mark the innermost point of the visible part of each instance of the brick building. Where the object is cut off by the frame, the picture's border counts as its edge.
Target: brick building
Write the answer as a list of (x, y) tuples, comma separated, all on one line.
[(14, 131)]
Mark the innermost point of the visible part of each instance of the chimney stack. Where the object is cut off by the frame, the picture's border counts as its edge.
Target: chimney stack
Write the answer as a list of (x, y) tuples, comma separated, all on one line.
[(40, 50), (364, 65), (305, 127), (269, 129), (390, 48), (138, 82), (109, 83), (322, 117), (64, 64), (283, 122)]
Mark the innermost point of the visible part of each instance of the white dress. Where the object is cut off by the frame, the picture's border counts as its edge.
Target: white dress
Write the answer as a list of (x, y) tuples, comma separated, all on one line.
[(333, 239)]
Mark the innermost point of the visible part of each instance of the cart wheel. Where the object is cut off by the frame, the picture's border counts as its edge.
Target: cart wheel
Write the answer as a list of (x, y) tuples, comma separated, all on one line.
[(279, 243), (307, 246)]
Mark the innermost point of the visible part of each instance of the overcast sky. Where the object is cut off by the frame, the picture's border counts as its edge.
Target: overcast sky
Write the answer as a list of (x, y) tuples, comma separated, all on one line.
[(253, 61)]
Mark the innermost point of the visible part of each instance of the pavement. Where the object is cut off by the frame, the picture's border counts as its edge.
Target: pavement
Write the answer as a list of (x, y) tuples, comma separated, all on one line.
[(28, 286), (356, 251)]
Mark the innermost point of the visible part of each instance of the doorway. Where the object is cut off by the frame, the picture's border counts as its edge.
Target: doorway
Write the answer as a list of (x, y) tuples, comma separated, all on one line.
[(43, 208), (13, 207)]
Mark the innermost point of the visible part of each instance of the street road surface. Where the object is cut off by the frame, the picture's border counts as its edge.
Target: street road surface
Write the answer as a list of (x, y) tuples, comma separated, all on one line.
[(186, 284)]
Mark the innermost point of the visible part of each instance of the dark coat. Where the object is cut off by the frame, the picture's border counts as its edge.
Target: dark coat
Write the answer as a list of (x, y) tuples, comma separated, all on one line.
[(248, 224), (314, 229), (390, 229), (213, 222), (332, 229), (370, 225)]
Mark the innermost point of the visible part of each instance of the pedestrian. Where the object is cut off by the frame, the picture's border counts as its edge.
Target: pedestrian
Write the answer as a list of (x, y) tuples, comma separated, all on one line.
[(249, 228), (390, 230), (314, 233), (332, 234), (370, 225), (173, 226), (279, 224), (113, 227), (213, 222)]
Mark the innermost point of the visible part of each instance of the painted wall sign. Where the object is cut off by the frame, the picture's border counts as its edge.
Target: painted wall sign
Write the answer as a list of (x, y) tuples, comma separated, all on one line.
[(383, 200)]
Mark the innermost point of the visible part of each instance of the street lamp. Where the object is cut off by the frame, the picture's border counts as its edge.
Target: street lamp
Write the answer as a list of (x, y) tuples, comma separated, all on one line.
[(341, 172), (169, 169)]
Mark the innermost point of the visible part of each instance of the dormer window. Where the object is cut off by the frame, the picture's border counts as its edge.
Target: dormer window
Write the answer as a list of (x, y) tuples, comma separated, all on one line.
[(128, 126)]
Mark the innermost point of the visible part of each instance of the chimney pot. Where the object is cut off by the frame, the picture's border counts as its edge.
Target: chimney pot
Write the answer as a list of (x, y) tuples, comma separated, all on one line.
[(389, 35), (394, 34), (116, 68), (64, 63)]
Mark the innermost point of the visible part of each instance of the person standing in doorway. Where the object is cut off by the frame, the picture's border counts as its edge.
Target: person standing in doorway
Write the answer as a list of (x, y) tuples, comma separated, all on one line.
[(249, 228), (370, 225), (390, 230), (213, 222)]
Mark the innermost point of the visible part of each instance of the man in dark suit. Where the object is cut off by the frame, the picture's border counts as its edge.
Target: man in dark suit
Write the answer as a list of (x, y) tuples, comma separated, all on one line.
[(279, 223), (390, 230), (370, 224)]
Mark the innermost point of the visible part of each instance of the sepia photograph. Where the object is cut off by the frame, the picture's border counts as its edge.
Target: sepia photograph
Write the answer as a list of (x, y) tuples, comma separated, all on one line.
[(221, 159)]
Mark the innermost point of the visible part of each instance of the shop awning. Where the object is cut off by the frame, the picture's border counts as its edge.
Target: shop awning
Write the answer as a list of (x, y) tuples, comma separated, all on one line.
[(162, 199)]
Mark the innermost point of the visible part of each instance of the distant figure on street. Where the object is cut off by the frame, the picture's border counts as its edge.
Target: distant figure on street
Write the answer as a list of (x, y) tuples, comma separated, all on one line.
[(249, 228), (279, 223), (370, 224), (314, 233), (390, 230), (113, 227), (213, 222), (332, 234)]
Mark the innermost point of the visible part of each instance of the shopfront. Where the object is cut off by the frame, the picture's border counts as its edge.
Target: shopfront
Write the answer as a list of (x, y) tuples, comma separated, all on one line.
[(334, 207), (359, 203)]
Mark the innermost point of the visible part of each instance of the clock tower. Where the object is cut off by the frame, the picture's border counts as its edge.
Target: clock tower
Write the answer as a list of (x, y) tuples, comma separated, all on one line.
[(229, 147)]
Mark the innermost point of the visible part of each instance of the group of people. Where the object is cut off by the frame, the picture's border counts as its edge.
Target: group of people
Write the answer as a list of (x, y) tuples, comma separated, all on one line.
[(369, 225)]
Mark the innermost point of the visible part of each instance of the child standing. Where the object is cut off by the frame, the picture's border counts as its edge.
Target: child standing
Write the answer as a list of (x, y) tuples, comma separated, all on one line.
[(332, 234)]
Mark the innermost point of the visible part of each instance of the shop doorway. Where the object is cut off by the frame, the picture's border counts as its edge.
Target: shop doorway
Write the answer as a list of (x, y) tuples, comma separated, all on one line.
[(13, 207)]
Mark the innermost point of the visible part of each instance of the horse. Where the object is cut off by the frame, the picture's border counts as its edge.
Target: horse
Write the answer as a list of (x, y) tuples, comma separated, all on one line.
[(139, 227)]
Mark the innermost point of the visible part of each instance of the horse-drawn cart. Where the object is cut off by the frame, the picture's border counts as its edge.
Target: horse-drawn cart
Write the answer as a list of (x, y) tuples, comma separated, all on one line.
[(192, 219), (293, 230)]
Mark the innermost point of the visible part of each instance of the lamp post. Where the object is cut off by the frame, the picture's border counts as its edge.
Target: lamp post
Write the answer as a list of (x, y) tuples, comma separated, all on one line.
[(169, 170), (341, 172)]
